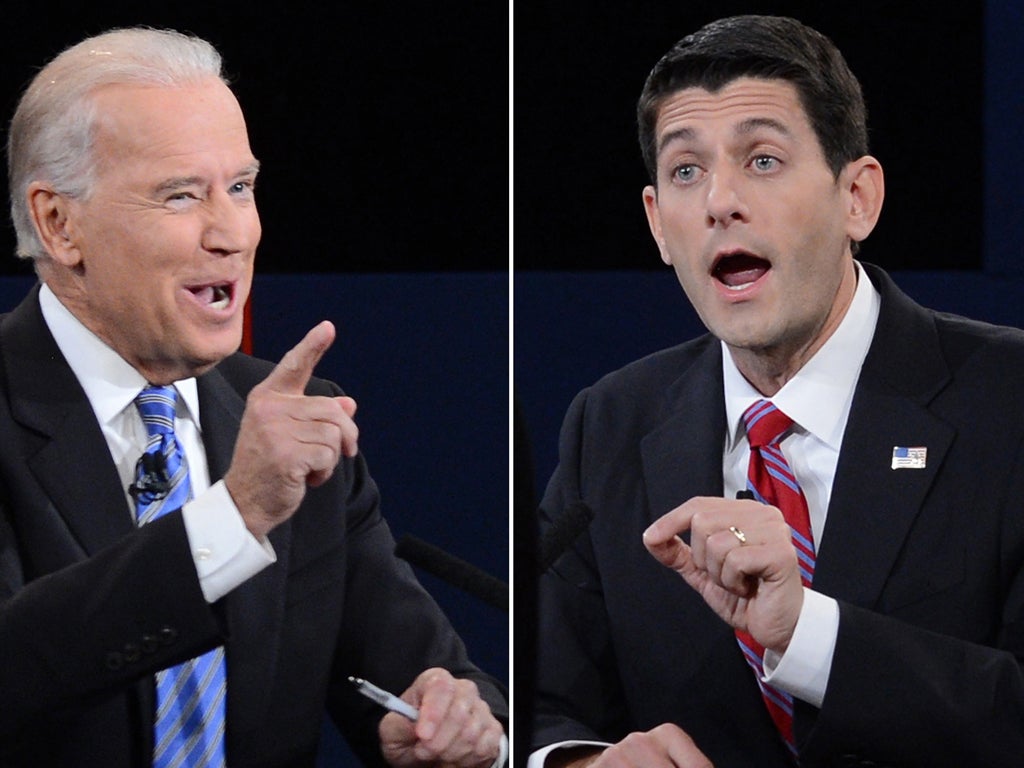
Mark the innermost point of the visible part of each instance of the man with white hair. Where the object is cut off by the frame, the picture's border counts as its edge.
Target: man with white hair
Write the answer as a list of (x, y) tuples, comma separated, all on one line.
[(247, 569)]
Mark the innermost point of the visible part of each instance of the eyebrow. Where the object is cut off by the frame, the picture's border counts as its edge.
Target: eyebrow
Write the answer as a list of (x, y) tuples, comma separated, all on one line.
[(747, 126), (676, 135), (752, 124), (180, 182)]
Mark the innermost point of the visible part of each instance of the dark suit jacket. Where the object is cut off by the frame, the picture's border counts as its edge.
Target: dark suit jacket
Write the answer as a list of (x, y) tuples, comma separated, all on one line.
[(91, 607), (926, 564)]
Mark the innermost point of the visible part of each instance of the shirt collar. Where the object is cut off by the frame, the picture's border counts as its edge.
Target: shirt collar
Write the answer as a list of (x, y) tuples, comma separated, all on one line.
[(818, 397), (110, 383)]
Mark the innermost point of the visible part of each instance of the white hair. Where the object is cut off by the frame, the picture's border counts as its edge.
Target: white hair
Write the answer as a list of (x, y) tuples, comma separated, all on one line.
[(52, 132)]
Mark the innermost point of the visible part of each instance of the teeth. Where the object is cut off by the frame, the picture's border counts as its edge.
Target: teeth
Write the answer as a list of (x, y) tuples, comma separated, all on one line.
[(738, 287), (221, 297)]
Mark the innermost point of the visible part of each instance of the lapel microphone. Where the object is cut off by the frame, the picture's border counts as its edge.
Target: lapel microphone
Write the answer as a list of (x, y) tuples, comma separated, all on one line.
[(151, 478)]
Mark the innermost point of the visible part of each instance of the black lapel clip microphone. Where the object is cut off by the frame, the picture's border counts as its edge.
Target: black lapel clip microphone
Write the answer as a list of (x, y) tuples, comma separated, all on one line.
[(152, 482)]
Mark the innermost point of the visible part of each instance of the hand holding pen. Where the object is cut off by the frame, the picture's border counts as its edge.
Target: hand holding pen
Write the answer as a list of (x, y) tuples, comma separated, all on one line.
[(449, 723), (387, 700)]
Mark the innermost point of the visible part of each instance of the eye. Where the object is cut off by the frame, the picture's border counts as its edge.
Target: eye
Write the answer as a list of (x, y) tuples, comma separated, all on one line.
[(181, 199), (243, 188), (686, 173), (765, 163)]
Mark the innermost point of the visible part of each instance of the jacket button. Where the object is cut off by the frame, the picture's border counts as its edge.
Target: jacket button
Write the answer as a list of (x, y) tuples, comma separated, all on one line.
[(150, 643), (167, 635), (132, 653), (114, 661)]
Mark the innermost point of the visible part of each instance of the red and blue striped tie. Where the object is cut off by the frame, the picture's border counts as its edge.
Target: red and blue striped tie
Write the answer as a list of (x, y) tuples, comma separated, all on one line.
[(190, 717), (771, 480)]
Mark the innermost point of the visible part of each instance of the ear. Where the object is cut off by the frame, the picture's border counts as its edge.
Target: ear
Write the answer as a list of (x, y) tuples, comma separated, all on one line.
[(865, 184), (50, 213), (654, 221)]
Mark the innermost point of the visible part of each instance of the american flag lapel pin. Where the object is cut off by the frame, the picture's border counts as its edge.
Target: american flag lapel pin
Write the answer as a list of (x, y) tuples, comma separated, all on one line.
[(909, 458)]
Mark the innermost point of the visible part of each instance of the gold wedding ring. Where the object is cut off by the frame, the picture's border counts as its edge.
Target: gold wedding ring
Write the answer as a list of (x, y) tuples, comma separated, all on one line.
[(738, 534)]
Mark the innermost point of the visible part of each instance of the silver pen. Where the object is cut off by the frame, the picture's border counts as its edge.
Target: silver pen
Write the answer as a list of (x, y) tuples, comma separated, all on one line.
[(395, 704), (385, 699)]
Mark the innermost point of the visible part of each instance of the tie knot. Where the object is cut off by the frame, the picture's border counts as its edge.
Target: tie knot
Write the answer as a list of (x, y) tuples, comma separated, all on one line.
[(765, 423), (156, 406)]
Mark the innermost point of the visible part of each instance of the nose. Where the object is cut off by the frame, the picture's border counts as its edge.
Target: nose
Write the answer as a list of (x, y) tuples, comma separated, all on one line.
[(725, 203), (231, 225)]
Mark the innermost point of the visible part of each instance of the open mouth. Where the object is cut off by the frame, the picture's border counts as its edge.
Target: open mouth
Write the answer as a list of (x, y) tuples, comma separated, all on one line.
[(739, 269), (217, 296)]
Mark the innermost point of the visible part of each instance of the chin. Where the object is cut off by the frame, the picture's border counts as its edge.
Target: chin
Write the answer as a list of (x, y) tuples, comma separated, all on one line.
[(755, 341), (212, 351)]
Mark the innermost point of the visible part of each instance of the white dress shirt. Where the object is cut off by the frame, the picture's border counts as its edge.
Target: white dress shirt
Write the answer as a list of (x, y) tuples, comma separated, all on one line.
[(224, 552), (818, 399)]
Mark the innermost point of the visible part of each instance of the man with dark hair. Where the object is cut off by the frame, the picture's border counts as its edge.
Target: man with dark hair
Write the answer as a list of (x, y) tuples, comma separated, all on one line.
[(808, 539)]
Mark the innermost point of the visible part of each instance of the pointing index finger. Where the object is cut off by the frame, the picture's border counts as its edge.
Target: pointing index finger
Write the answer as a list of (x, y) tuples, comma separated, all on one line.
[(291, 375)]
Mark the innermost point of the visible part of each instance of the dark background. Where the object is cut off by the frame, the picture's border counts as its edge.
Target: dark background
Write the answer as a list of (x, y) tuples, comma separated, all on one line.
[(382, 129), (579, 68)]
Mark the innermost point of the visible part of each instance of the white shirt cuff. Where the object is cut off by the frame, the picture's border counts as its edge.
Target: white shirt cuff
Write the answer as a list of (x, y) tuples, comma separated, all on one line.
[(536, 759), (502, 752), (804, 668), (224, 552)]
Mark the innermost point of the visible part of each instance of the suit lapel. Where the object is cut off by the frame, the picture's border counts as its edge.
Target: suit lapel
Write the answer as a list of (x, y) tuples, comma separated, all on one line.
[(873, 505), (82, 506), (255, 609), (682, 456), (66, 450)]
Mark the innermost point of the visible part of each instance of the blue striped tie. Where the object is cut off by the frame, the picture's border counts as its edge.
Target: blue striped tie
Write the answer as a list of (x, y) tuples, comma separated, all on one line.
[(189, 725)]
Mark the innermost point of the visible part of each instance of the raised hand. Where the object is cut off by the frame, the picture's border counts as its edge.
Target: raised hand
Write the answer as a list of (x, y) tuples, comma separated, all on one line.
[(750, 577), (289, 441)]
